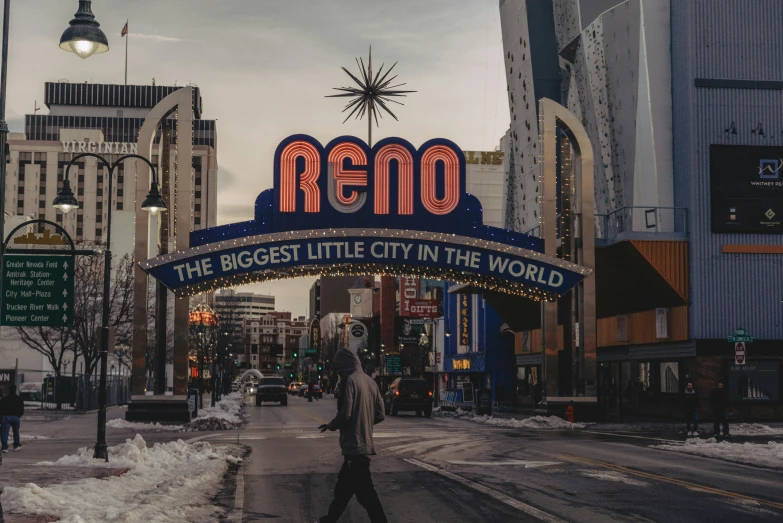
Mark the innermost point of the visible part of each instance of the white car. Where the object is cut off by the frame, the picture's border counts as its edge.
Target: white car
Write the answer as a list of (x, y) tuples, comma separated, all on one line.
[(251, 388)]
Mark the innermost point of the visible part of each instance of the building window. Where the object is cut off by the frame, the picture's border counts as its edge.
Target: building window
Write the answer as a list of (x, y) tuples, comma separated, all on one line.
[(197, 221), (198, 194), (99, 205), (670, 377), (197, 206), (80, 191), (20, 190), (79, 218), (119, 206), (42, 190), (79, 231), (42, 204), (119, 192), (99, 218), (98, 232), (20, 204), (59, 218)]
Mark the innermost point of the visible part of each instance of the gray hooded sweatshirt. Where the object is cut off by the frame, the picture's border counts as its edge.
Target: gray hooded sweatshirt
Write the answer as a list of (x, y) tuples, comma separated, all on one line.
[(359, 406)]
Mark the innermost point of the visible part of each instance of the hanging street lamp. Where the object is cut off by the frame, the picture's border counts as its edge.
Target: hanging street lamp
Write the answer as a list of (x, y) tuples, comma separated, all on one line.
[(84, 36)]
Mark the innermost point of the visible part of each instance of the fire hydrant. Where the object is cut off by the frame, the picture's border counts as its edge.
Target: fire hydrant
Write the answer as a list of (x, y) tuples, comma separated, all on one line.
[(569, 414)]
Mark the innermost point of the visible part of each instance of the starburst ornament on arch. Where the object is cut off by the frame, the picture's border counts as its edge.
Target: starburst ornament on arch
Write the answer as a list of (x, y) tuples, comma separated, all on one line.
[(372, 95)]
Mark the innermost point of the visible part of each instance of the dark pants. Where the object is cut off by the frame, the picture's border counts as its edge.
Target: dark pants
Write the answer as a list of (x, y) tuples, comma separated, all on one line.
[(354, 478), (692, 417), (10, 422), (721, 418)]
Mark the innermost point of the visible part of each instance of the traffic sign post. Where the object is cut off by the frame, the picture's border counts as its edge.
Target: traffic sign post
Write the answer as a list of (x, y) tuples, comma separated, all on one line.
[(37, 291), (739, 353)]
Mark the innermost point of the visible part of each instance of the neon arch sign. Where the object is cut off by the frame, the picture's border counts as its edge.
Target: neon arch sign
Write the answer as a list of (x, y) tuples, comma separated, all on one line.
[(346, 208)]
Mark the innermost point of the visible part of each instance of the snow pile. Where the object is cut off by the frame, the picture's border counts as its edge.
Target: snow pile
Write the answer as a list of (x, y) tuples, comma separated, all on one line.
[(225, 415), (168, 482), (536, 422), (120, 423), (765, 455), (754, 429)]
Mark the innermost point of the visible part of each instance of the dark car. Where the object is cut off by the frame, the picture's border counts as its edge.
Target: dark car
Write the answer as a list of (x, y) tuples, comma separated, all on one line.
[(272, 389), (409, 394)]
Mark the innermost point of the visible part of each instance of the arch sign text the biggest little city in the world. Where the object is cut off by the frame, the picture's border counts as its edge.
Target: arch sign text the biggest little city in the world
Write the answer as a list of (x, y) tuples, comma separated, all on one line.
[(348, 209)]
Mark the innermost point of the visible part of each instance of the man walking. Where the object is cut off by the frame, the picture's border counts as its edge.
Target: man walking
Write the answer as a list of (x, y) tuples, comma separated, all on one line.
[(12, 409), (691, 410), (719, 404), (359, 407)]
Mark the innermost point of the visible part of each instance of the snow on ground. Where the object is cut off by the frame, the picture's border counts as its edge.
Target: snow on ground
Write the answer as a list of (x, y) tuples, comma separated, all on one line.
[(610, 475), (120, 423), (535, 422), (225, 415), (754, 429), (765, 455), (168, 482)]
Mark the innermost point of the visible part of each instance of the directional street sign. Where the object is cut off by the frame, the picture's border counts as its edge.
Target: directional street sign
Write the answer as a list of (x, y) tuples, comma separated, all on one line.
[(311, 352), (739, 353), (37, 291), (740, 335), (393, 364)]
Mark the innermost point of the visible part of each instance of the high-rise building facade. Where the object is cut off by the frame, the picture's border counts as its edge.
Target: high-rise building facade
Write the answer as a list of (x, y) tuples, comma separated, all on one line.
[(484, 178), (102, 119), (245, 305), (684, 116)]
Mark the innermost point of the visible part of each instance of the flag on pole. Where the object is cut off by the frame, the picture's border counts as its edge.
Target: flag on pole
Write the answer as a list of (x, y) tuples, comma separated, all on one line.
[(124, 30)]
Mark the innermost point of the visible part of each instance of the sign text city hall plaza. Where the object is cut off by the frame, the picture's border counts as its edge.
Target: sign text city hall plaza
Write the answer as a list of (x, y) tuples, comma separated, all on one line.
[(349, 209)]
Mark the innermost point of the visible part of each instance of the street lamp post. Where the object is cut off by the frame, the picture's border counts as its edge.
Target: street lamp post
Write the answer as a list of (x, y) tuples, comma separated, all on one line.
[(80, 42), (65, 201)]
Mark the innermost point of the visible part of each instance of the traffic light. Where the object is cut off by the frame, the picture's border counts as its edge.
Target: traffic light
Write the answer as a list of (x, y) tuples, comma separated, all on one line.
[(296, 354), (278, 366), (320, 367), (291, 375)]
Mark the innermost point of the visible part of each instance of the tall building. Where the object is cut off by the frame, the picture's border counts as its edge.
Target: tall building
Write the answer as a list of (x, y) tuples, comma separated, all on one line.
[(330, 294), (103, 119), (270, 340), (484, 179), (684, 116), (245, 305)]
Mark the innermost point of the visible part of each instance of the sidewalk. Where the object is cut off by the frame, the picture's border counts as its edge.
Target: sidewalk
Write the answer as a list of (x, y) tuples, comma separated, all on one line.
[(741, 432), (47, 436)]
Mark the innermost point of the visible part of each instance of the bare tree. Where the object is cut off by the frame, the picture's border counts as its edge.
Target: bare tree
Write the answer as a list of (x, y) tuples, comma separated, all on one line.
[(88, 306), (53, 343), (228, 340)]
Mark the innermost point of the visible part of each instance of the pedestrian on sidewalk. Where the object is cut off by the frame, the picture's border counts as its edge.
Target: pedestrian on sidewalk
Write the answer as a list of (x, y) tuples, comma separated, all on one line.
[(12, 410), (691, 410), (359, 407), (500, 396), (720, 410)]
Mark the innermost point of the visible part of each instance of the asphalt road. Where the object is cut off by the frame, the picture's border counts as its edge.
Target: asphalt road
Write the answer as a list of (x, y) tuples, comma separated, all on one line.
[(443, 470)]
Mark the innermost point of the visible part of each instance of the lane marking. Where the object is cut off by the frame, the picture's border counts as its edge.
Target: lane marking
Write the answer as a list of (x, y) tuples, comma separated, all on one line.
[(237, 513), (513, 462), (316, 418), (630, 436), (673, 481), (523, 507)]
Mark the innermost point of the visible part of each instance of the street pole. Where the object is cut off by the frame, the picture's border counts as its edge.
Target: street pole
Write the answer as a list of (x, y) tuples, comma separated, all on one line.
[(101, 450), (3, 147)]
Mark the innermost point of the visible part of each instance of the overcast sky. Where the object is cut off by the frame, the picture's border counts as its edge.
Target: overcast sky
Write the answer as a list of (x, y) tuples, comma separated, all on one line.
[(264, 66)]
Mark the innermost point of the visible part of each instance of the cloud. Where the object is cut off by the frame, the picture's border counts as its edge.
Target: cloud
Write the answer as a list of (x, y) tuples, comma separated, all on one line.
[(161, 38)]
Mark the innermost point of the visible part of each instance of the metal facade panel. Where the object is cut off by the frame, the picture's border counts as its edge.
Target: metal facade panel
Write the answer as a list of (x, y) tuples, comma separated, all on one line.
[(730, 39)]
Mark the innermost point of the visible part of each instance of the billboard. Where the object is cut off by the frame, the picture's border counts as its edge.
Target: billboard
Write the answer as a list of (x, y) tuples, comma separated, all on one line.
[(464, 321), (755, 381), (746, 187), (409, 331)]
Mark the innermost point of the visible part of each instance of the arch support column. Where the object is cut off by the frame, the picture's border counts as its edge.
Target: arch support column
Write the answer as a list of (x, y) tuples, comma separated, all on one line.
[(550, 113)]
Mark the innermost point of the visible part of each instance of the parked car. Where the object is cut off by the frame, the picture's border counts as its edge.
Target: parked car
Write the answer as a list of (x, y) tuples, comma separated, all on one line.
[(293, 387), (411, 394), (272, 389), (302, 390)]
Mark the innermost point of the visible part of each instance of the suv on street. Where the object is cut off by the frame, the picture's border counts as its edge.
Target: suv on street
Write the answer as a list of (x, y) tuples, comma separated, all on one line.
[(271, 389), (408, 394), (293, 387)]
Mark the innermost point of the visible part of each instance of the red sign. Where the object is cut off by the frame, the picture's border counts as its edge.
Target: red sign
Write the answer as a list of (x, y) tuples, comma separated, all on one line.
[(739, 353), (421, 308), (409, 291)]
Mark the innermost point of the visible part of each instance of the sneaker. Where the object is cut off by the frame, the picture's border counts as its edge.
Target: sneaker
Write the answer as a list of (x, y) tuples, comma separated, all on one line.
[(5, 451), (17, 448)]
